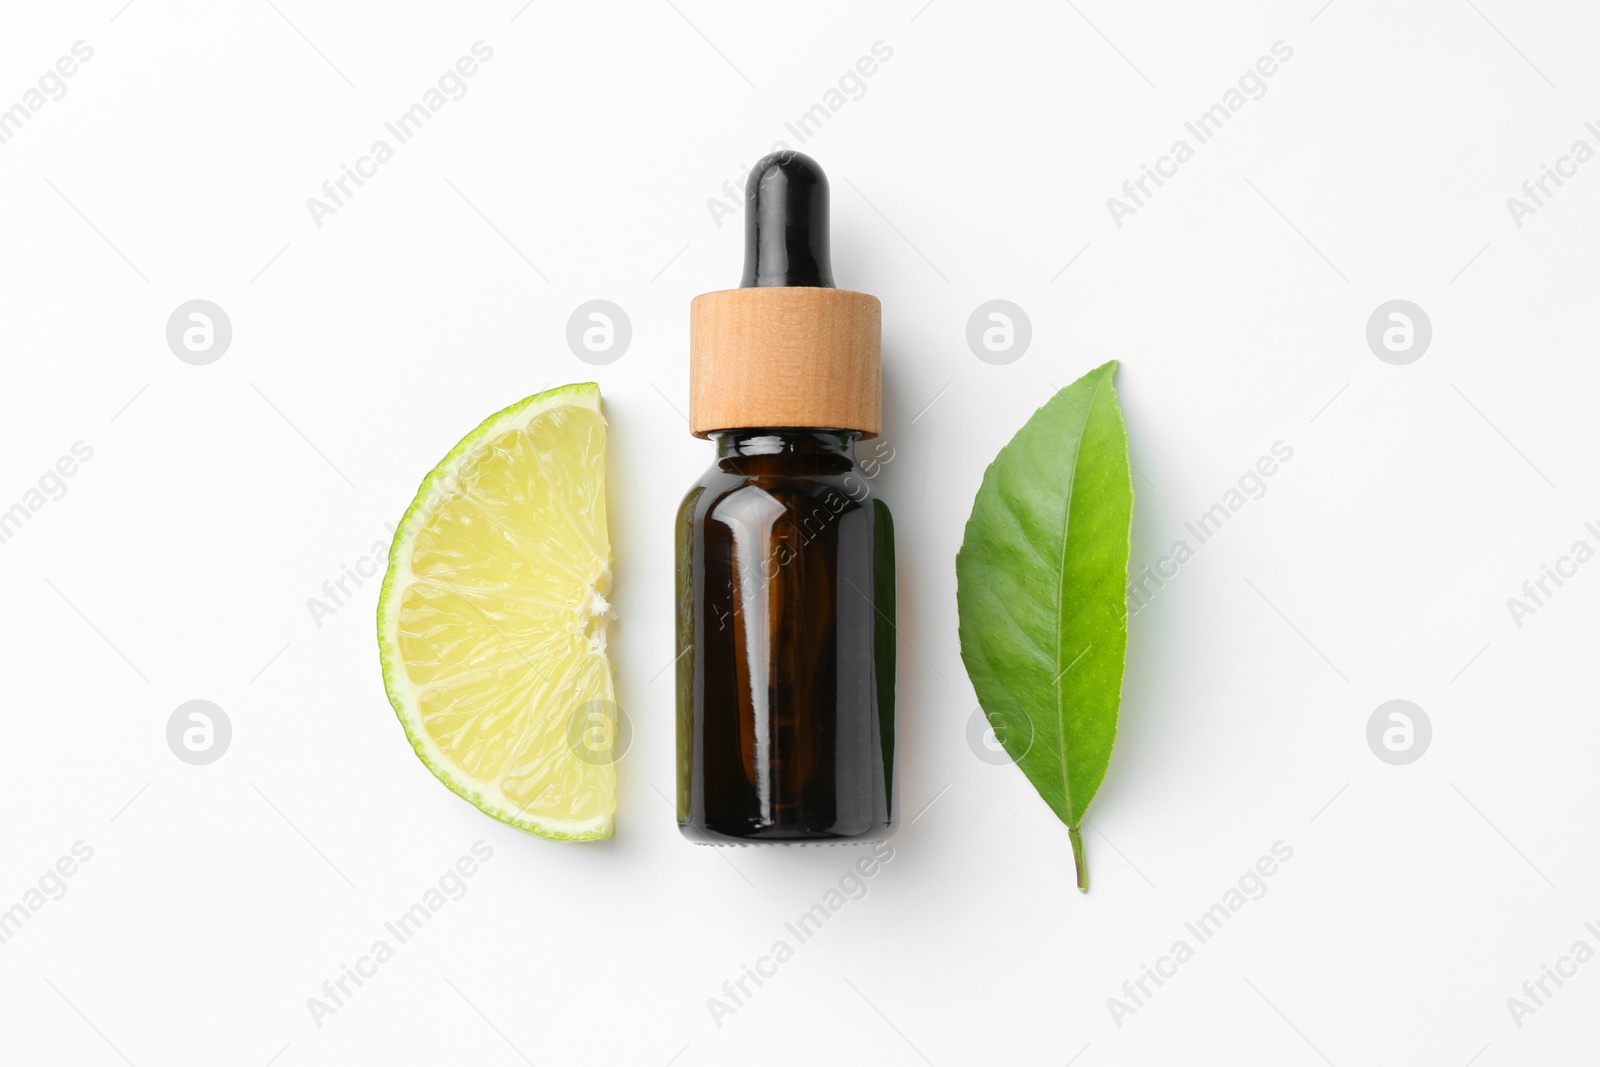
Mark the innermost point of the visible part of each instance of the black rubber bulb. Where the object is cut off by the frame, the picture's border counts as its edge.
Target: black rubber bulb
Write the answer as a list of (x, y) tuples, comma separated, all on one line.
[(786, 224)]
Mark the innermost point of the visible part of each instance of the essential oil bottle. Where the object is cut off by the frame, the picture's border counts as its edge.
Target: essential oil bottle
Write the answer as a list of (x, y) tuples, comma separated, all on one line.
[(786, 582)]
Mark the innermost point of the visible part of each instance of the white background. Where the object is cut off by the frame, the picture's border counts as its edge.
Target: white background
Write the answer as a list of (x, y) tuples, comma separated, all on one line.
[(219, 498)]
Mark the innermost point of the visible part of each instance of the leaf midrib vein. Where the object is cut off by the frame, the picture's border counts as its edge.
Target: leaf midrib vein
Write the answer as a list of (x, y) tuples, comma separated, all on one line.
[(1061, 594)]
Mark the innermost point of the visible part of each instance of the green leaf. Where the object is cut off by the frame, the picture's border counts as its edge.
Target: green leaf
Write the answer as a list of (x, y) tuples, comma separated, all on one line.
[(1041, 583)]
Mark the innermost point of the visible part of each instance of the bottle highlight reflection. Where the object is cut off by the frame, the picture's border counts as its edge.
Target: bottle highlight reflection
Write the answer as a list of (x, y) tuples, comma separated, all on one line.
[(786, 643)]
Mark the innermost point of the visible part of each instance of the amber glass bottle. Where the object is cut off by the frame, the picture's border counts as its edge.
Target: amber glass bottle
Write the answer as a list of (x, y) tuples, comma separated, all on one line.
[(786, 601)]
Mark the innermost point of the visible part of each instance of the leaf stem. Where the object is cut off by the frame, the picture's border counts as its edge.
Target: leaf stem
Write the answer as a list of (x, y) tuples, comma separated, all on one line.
[(1077, 858)]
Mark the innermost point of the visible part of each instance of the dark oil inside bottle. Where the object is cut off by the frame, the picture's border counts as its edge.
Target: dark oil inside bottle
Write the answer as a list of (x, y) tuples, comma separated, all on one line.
[(786, 644)]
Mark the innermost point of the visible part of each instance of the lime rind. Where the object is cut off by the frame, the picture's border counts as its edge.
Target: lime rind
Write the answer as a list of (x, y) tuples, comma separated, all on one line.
[(397, 577)]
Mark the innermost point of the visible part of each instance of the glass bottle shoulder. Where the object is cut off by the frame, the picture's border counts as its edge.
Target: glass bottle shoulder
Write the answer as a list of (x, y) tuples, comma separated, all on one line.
[(792, 470)]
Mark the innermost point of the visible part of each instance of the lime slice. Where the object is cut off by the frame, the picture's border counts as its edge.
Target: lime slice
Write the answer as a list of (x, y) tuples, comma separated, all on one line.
[(492, 619)]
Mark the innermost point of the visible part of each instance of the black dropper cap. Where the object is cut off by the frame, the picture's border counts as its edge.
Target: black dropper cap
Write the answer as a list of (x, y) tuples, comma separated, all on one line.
[(786, 224)]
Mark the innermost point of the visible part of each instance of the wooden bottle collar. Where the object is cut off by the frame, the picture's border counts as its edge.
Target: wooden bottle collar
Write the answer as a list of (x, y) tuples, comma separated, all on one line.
[(788, 356)]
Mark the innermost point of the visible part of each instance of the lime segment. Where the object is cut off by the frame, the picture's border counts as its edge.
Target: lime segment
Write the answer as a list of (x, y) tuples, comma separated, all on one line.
[(492, 620)]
